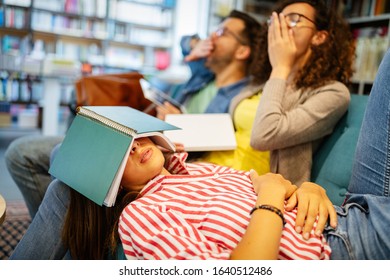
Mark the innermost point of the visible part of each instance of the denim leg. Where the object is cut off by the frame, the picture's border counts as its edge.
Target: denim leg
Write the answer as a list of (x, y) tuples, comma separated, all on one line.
[(28, 160), (42, 240), (364, 219), (371, 170)]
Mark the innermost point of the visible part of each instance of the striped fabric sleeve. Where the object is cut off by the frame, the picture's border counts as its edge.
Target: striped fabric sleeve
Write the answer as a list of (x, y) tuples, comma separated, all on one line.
[(294, 247), (164, 235)]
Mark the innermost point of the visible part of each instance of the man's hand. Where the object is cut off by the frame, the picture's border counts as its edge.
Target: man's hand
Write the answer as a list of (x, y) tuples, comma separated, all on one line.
[(166, 109), (202, 49), (312, 201)]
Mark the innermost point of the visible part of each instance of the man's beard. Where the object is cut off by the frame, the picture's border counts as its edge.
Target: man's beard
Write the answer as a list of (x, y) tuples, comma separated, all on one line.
[(216, 64)]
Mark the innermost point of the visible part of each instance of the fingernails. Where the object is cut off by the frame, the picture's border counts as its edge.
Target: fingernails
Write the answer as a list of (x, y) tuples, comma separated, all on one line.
[(318, 233), (306, 236), (298, 229)]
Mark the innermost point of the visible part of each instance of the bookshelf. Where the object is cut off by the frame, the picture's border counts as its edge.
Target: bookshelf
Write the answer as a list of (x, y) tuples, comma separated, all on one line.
[(103, 33), (45, 45), (369, 21)]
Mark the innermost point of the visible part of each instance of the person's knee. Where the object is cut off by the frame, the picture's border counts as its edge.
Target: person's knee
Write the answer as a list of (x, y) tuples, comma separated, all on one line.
[(56, 198), (30, 148), (58, 190), (16, 151)]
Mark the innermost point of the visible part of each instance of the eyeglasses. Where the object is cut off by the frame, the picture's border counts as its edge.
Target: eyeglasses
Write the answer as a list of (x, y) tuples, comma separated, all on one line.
[(292, 19), (222, 31)]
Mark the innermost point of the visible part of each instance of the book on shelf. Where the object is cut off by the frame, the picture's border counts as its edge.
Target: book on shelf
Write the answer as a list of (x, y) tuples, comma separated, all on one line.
[(371, 46), (361, 8), (94, 152), (203, 132)]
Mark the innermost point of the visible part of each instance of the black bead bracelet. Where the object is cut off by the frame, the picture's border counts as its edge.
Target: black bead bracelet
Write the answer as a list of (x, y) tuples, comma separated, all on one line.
[(271, 208)]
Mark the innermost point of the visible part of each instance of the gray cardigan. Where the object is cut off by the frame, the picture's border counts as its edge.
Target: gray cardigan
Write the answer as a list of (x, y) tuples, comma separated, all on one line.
[(291, 124)]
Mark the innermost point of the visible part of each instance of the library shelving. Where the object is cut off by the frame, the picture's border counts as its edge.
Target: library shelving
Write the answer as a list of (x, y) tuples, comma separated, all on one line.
[(45, 45), (369, 21), (104, 33), (372, 41)]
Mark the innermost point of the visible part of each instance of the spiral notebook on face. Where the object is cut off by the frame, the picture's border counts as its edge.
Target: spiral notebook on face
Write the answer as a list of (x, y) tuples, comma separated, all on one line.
[(94, 153), (202, 132)]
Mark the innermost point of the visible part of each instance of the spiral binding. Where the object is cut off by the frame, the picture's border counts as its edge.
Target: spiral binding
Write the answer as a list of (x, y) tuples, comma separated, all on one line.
[(110, 123)]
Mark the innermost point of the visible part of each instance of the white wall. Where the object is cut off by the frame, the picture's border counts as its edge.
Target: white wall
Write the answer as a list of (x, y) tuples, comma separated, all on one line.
[(191, 18)]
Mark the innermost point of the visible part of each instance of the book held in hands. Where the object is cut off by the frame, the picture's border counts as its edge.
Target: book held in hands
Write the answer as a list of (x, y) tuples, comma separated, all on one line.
[(94, 152)]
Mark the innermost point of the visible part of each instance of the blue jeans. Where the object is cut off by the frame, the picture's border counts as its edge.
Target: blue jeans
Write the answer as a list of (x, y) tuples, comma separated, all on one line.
[(42, 240), (28, 160), (364, 219)]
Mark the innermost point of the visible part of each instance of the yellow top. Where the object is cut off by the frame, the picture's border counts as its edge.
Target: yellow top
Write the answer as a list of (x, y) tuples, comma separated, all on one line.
[(244, 157)]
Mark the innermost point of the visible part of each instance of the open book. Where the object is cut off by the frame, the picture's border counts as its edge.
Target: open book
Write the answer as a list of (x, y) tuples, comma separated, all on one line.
[(157, 96), (93, 155), (202, 132)]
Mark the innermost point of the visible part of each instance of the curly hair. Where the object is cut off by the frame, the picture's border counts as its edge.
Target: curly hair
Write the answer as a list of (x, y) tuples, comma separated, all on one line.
[(329, 61)]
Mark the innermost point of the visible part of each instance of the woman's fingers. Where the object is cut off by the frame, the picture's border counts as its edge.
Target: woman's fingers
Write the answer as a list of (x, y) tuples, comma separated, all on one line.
[(283, 27)]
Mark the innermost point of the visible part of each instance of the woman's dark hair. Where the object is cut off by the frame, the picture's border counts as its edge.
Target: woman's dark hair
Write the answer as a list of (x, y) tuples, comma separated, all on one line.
[(90, 231), (250, 34), (331, 60)]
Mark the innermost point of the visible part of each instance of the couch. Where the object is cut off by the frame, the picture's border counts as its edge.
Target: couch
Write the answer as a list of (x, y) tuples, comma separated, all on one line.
[(332, 163)]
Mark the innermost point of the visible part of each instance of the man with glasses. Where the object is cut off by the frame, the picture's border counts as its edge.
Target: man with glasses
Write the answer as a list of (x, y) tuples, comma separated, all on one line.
[(220, 66)]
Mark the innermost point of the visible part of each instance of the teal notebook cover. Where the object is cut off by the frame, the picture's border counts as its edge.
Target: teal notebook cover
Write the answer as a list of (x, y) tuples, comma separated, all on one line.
[(89, 158), (92, 152)]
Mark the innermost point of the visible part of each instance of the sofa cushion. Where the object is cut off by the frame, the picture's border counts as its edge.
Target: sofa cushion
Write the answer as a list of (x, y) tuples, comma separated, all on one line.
[(332, 163)]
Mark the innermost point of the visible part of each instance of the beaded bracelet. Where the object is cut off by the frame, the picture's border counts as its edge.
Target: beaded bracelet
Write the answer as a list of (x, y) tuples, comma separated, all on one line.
[(269, 208)]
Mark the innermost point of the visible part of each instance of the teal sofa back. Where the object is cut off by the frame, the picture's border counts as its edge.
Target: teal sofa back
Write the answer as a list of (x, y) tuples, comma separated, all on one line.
[(332, 163)]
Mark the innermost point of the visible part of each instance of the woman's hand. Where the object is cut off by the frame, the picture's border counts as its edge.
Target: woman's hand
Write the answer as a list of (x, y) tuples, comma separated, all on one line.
[(310, 198), (281, 46), (312, 201), (273, 181), (262, 236)]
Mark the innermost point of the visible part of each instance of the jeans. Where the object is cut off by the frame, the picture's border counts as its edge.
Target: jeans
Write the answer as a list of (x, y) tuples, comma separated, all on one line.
[(42, 240), (28, 160), (364, 219)]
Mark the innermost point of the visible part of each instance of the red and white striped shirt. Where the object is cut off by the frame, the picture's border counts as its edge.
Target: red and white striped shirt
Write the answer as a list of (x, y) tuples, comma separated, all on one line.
[(201, 212)]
